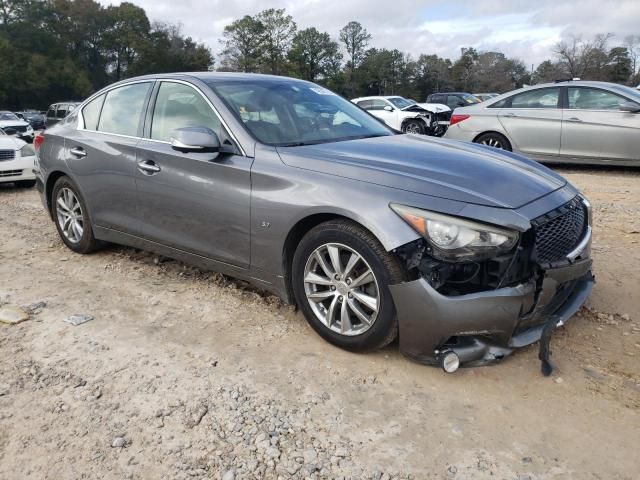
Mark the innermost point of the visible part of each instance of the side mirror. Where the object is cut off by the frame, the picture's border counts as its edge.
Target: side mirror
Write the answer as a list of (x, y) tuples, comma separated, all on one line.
[(195, 139), (388, 108), (631, 107), (461, 104)]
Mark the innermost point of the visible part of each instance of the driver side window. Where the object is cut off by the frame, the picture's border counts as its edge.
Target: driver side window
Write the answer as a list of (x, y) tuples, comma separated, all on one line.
[(179, 106)]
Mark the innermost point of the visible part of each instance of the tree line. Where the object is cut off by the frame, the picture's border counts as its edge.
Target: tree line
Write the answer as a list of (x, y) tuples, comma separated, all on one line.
[(53, 50)]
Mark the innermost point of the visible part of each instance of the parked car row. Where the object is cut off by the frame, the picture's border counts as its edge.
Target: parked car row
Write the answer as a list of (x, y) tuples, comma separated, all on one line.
[(570, 121), (17, 160), (465, 252)]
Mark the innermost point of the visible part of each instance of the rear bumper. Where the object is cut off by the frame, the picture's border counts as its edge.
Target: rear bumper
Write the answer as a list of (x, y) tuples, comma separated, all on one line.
[(487, 326)]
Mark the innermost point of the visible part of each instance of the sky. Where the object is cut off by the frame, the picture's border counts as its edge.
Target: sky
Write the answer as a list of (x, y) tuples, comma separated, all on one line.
[(525, 29)]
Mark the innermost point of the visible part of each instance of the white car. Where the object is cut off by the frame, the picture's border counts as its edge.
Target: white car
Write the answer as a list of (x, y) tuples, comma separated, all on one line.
[(17, 160), (563, 122), (405, 115), (11, 124)]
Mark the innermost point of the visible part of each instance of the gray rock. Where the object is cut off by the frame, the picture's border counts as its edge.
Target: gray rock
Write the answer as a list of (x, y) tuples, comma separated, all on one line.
[(309, 455), (12, 315), (78, 319), (229, 475), (118, 442)]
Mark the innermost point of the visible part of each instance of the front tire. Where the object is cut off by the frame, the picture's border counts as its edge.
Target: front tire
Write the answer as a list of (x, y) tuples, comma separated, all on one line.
[(414, 126), (494, 140), (71, 217), (341, 276)]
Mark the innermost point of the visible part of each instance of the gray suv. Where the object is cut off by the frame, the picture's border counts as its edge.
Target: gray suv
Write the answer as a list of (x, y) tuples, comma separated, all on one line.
[(462, 251)]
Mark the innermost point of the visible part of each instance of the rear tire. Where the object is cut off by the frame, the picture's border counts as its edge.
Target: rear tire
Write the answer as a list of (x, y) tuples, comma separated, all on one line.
[(358, 288), (71, 217), (494, 140)]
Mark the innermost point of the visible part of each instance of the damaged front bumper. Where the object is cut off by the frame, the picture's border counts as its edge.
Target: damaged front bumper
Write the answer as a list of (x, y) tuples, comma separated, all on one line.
[(485, 327)]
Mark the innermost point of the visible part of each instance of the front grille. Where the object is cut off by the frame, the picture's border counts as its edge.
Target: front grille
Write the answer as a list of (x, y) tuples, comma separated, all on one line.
[(7, 155), (20, 128), (10, 173), (560, 231)]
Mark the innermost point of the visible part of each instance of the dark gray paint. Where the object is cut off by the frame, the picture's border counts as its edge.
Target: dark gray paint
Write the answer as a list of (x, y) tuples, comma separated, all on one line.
[(233, 213)]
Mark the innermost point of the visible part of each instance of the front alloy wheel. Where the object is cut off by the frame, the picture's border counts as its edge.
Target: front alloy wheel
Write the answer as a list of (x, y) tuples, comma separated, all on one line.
[(341, 289), (340, 277)]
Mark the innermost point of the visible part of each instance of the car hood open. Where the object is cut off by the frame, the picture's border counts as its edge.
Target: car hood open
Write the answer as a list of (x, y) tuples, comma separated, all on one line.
[(440, 168)]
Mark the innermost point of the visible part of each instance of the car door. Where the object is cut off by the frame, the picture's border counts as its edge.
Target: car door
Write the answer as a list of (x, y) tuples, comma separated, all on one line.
[(101, 153), (594, 127), (533, 121), (196, 202), (385, 111)]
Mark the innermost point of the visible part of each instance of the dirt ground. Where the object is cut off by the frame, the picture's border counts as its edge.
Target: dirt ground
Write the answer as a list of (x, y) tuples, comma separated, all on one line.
[(188, 374)]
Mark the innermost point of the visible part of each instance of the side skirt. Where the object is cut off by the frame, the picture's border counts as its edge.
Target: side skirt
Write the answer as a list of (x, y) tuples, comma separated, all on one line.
[(270, 283)]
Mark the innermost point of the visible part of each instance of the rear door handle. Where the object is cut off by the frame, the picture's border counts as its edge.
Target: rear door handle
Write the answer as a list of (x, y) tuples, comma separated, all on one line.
[(148, 167), (78, 152), (573, 119), (510, 115)]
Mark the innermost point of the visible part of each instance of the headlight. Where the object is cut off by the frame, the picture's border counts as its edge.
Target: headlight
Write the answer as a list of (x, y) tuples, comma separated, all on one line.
[(456, 239), (27, 150)]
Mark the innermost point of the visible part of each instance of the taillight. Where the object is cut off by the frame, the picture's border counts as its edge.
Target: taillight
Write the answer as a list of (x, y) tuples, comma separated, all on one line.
[(457, 118), (38, 141)]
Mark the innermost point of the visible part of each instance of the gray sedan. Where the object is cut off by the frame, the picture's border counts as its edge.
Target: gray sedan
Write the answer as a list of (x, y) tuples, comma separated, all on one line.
[(572, 122), (463, 252)]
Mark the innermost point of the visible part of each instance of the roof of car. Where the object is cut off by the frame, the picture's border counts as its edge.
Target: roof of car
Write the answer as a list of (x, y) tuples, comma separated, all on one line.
[(373, 97), (451, 93)]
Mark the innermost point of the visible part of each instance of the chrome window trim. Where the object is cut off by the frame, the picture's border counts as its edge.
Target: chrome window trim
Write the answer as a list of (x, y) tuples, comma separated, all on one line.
[(224, 124)]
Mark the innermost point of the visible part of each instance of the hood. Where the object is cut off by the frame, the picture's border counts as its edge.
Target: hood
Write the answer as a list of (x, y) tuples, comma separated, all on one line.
[(457, 171), (13, 123), (435, 107), (8, 142)]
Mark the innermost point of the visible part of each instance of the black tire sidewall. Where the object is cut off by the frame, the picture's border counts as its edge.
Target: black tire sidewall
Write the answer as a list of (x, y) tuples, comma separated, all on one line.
[(420, 124), (385, 324), (501, 138), (87, 243)]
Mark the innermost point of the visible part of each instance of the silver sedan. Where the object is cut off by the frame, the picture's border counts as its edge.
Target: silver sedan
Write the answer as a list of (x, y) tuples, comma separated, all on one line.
[(572, 121)]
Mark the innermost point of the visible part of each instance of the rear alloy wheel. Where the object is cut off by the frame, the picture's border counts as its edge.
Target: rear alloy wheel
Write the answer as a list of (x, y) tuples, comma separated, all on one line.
[(414, 126), (340, 277), (494, 140), (71, 218)]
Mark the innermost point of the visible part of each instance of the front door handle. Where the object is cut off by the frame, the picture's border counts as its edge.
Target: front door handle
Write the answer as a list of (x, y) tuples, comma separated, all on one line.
[(510, 115), (148, 167), (573, 119), (78, 152)]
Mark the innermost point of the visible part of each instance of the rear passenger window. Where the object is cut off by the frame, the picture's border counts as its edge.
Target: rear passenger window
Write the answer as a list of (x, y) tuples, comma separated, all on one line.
[(91, 112), (179, 106), (51, 113), (122, 109), (62, 111), (540, 98)]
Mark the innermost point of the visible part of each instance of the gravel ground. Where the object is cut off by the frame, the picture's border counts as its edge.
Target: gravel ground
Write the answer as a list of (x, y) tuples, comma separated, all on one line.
[(189, 374)]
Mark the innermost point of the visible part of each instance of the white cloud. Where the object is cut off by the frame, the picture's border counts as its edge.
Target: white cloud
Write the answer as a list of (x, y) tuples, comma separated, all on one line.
[(520, 28)]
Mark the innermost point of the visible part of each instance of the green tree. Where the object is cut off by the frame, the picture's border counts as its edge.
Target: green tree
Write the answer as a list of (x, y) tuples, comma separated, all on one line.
[(128, 28), (313, 54), (355, 39), (243, 45), (278, 32), (619, 65)]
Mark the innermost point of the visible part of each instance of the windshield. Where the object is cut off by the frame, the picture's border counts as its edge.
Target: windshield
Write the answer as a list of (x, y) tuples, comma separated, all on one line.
[(632, 93), (291, 113), (8, 116), (470, 98), (400, 102)]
